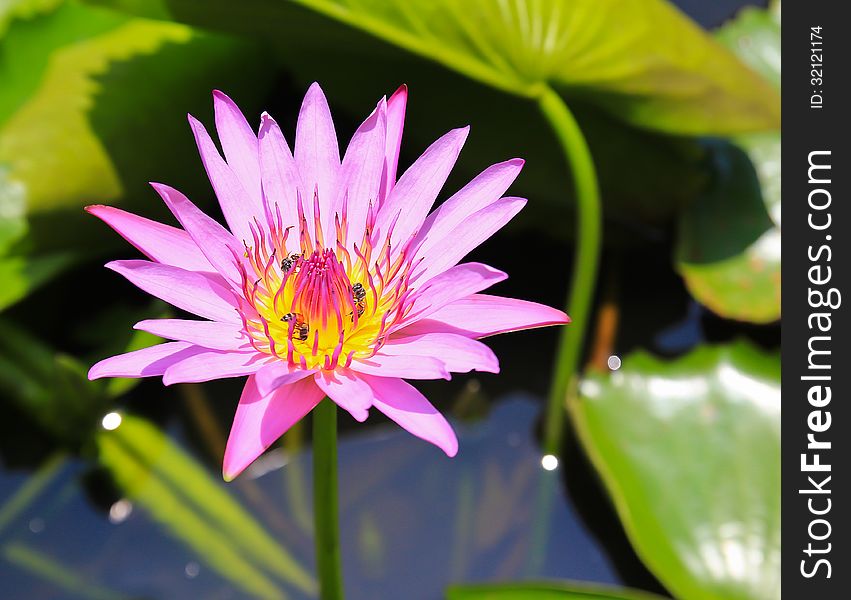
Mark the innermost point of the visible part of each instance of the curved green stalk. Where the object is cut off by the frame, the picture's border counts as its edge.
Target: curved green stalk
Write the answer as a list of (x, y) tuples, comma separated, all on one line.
[(588, 225), (325, 509)]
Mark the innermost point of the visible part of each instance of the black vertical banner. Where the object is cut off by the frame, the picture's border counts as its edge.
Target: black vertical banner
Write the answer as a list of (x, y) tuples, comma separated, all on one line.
[(816, 222)]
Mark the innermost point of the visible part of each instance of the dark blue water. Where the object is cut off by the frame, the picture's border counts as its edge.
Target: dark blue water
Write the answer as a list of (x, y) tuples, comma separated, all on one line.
[(412, 521)]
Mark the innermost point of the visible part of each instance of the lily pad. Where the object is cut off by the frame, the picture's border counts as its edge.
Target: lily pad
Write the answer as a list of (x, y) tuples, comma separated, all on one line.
[(728, 247), (355, 67), (643, 61), (742, 282), (689, 451)]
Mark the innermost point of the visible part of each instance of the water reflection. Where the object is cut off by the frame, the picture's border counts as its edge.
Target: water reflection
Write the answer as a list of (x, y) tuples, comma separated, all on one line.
[(412, 521)]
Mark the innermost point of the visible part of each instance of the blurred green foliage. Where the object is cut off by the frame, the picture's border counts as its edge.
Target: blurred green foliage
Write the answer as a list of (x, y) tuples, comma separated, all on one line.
[(92, 107), (729, 237), (154, 472), (544, 591)]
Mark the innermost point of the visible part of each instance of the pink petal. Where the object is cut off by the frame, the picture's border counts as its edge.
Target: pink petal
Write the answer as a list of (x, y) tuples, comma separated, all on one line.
[(161, 243), (415, 192), (395, 124), (483, 190), (482, 315), (317, 154), (409, 367), (278, 373), (147, 362), (361, 172), (217, 244), (198, 293), (240, 147), (208, 334), (458, 282), (260, 420), (281, 179), (467, 236), (410, 409), (212, 364), (458, 353), (347, 390), (236, 203)]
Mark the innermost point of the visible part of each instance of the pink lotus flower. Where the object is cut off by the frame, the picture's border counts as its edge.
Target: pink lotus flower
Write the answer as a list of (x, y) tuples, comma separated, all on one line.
[(334, 280)]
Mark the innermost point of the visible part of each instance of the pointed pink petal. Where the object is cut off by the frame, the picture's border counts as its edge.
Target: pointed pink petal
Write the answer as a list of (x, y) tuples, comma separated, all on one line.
[(481, 315), (410, 409), (395, 124), (208, 334), (458, 282), (147, 362), (409, 367), (278, 373), (236, 204), (161, 243), (347, 390), (198, 293), (281, 179), (317, 154), (458, 353), (216, 242), (483, 190), (467, 236), (417, 189), (240, 147), (260, 420), (360, 175), (213, 364)]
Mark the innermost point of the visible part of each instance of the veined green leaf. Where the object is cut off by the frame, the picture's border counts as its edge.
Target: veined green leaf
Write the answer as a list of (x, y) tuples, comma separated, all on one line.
[(641, 59)]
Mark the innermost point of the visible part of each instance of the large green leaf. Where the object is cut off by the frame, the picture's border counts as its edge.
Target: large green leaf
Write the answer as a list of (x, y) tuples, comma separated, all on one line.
[(180, 494), (755, 38), (728, 248), (642, 59), (92, 107), (544, 591), (729, 239), (689, 451), (13, 9), (49, 89), (354, 68)]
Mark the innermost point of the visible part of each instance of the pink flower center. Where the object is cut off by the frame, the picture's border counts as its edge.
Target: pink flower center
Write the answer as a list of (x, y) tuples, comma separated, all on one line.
[(316, 306)]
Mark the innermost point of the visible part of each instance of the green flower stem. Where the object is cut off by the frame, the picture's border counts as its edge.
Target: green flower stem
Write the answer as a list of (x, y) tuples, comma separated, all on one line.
[(588, 226), (325, 509)]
